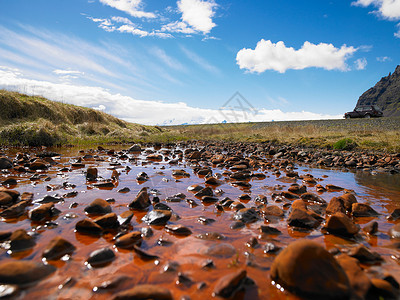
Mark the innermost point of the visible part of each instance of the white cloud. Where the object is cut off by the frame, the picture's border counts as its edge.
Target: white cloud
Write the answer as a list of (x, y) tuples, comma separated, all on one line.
[(68, 72), (388, 9), (278, 57), (383, 58), (360, 64), (131, 7), (198, 14), (177, 26), (141, 111), (397, 34), (122, 20), (142, 33)]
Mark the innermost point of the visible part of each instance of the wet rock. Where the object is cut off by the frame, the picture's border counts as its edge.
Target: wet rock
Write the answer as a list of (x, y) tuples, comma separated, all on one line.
[(87, 226), (15, 211), (382, 289), (252, 243), (180, 173), (333, 188), (271, 248), (301, 218), (311, 197), (210, 236), (184, 280), (364, 255), (307, 269), (127, 241), (195, 188), (57, 248), (222, 250), (207, 191), (107, 221), (229, 285), (5, 163), (348, 201), (395, 215), (273, 210), (145, 291), (335, 205), (142, 176), (38, 164), (237, 225), (43, 212), (5, 199), (124, 190), (162, 206), (371, 228), (297, 189), (208, 264), (143, 254), (98, 207), (104, 184), (125, 218), (91, 174), (359, 281), (236, 205), (157, 217), (394, 232), (205, 221), (261, 198), (178, 230), (5, 235), (20, 240), (14, 194), (50, 199), (269, 230), (146, 232), (135, 148), (8, 291), (100, 257), (246, 215), (341, 224), (142, 200), (112, 284), (363, 210), (22, 272), (289, 195)]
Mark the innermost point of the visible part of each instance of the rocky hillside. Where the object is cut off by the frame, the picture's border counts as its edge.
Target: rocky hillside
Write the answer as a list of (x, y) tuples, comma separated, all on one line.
[(385, 94)]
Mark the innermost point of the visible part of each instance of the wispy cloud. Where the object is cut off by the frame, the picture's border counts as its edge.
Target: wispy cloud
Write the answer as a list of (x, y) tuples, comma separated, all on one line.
[(278, 57), (361, 63), (383, 58), (131, 7), (140, 111), (166, 59), (203, 63)]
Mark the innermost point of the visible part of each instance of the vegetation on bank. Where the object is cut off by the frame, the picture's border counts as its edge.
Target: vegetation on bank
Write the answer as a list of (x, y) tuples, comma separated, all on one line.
[(36, 121)]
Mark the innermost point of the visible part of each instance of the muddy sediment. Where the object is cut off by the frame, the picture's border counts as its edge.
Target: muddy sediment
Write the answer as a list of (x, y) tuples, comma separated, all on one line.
[(198, 220)]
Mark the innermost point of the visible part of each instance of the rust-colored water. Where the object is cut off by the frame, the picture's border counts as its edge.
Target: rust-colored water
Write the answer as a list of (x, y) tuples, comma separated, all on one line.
[(381, 191)]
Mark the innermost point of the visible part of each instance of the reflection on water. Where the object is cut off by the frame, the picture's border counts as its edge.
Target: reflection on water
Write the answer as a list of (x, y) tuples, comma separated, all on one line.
[(190, 254)]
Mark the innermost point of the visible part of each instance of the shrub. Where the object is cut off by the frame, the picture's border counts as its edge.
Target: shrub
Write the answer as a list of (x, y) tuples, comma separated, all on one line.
[(345, 144)]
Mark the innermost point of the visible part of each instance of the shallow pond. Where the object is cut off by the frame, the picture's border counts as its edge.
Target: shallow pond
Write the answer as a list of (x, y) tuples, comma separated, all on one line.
[(182, 255)]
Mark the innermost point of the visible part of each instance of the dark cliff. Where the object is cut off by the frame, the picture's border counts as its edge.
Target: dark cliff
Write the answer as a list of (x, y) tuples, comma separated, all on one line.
[(385, 94)]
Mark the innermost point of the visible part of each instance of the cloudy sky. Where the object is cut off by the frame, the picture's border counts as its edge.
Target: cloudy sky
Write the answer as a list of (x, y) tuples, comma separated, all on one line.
[(199, 61)]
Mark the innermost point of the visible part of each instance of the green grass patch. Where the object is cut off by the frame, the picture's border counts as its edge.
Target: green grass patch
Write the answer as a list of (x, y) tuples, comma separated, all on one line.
[(344, 144)]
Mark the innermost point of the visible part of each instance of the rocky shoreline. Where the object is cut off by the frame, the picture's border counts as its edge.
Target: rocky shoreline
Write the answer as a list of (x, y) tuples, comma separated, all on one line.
[(280, 223)]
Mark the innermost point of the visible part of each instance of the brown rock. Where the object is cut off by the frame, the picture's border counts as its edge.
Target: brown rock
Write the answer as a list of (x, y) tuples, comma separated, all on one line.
[(5, 163), (5, 199), (13, 193), (341, 224), (145, 291), (87, 226), (57, 248), (20, 240), (273, 210), (394, 232), (91, 174), (307, 269), (101, 257), (301, 218), (178, 230), (382, 289), (42, 212), (227, 286), (15, 211), (38, 164), (335, 205), (311, 197), (359, 281), (127, 241), (364, 255), (23, 272), (371, 228), (348, 200), (363, 210), (107, 221), (142, 200), (98, 207)]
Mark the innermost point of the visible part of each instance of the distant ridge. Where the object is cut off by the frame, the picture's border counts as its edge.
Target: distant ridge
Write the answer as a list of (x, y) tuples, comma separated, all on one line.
[(385, 94)]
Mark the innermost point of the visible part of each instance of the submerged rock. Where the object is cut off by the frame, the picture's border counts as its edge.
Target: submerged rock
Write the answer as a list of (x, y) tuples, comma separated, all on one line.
[(101, 257), (57, 248), (307, 269), (22, 272), (227, 286), (145, 291)]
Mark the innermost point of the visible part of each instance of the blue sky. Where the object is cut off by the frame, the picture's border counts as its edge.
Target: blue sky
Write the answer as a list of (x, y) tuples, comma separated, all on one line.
[(174, 62)]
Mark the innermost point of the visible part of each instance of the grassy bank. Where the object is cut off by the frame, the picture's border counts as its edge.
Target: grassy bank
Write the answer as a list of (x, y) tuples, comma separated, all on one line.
[(369, 134), (36, 121)]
